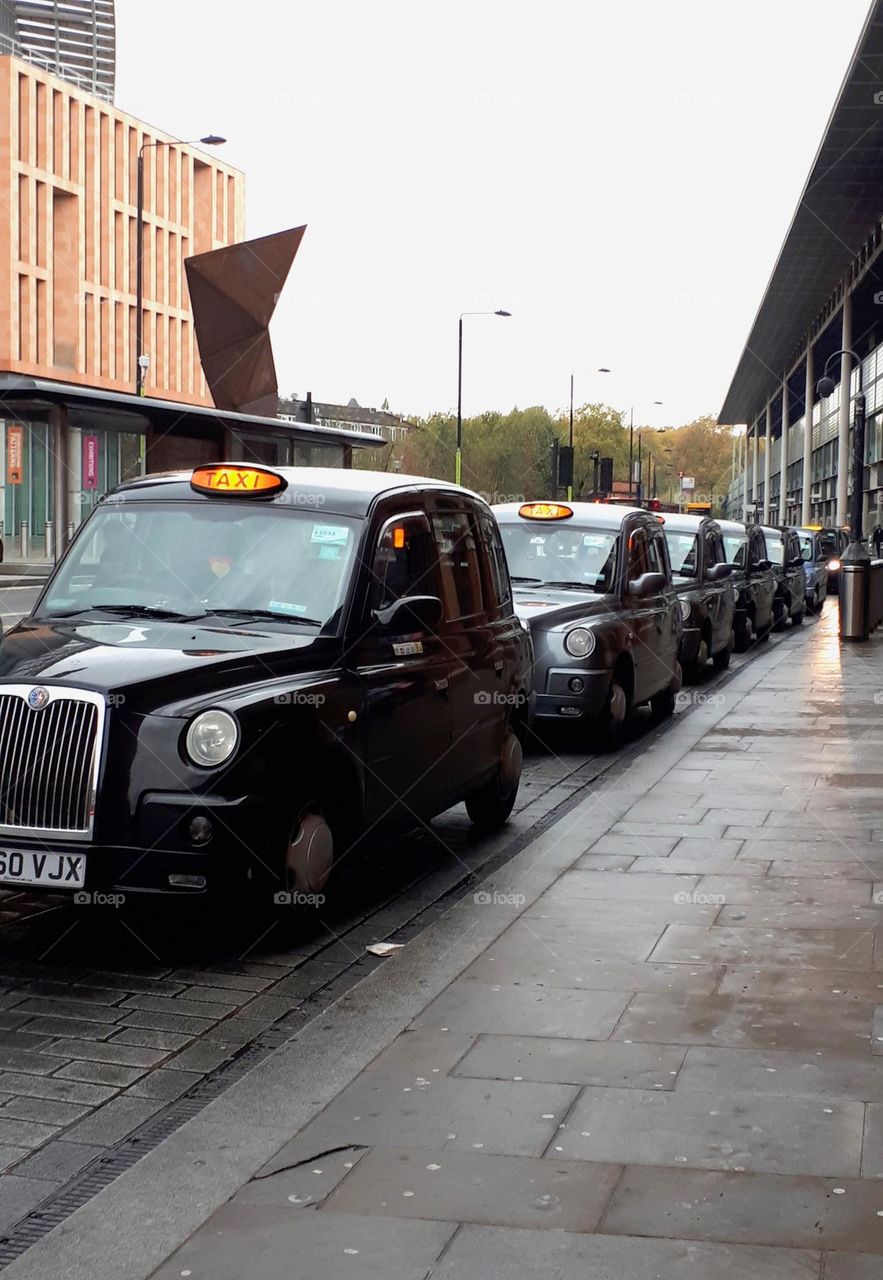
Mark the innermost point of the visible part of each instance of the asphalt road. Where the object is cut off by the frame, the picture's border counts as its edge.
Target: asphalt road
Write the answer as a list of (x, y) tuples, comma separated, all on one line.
[(16, 601), (116, 1026)]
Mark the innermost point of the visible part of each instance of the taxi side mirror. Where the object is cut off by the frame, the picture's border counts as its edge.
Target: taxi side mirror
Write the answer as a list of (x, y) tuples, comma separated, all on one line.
[(718, 571), (649, 584), (761, 566), (410, 613)]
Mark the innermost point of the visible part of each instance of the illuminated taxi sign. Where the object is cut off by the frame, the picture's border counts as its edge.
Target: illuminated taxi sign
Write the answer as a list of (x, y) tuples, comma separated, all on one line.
[(544, 511), (241, 481)]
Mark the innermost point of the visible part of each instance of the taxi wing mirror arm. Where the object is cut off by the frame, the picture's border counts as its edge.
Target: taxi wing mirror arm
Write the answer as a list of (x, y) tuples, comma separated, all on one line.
[(409, 613)]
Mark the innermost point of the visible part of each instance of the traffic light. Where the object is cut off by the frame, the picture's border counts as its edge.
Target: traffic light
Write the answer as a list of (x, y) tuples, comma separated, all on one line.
[(565, 466), (605, 475)]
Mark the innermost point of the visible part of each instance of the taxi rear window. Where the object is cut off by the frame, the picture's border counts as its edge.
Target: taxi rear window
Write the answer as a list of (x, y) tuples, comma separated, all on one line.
[(191, 558), (682, 553)]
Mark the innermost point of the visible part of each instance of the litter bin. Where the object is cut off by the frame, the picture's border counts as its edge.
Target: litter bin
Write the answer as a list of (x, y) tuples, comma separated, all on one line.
[(855, 579)]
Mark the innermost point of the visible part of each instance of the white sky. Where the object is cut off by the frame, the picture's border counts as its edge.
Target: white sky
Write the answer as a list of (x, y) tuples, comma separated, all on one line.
[(619, 175)]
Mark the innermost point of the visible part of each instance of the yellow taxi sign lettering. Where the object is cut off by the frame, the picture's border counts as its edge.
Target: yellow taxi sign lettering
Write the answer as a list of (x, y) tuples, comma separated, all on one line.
[(242, 481), (545, 511)]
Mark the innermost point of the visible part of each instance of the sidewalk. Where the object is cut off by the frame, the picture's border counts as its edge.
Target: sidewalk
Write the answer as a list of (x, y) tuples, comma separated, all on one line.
[(650, 1048)]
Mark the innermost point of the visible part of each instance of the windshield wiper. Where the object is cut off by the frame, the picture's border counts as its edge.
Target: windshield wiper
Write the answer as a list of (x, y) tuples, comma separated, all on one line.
[(133, 610), (276, 615), (514, 578), (567, 585)]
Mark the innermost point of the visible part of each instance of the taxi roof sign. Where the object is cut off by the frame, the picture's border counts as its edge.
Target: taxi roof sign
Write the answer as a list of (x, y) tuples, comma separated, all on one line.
[(545, 511), (221, 478)]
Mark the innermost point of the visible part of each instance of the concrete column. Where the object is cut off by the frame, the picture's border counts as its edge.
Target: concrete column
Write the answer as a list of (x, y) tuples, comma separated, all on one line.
[(844, 415), (783, 454), (755, 471), (805, 509), (746, 474), (767, 463), (58, 449)]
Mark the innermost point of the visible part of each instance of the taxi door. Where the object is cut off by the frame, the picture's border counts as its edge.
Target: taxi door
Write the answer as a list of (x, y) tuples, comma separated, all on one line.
[(405, 676), (644, 616), (719, 592)]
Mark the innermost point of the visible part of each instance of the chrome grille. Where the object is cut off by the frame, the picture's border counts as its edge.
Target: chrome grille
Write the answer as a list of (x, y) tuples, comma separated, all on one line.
[(48, 761)]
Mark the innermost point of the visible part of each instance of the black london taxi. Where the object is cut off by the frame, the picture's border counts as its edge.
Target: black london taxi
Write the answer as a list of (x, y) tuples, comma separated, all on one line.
[(593, 583), (708, 600), (753, 579), (236, 673), (783, 552), (816, 551)]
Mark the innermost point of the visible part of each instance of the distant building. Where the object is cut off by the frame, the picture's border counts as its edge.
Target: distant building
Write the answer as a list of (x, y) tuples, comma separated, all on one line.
[(348, 417), (74, 39)]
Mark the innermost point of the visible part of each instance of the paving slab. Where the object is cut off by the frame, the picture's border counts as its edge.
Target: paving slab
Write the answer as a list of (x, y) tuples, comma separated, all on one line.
[(542, 968), (565, 1061), (815, 948), (498, 1253), (830, 1076), (710, 1131), (513, 1191), (505, 1009), (749, 1208)]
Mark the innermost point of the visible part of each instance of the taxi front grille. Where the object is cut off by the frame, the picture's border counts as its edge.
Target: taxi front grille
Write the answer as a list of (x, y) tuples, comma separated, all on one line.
[(48, 761)]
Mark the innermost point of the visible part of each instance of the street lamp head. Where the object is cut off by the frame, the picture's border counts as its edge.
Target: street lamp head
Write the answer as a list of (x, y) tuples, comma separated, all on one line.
[(502, 313), (603, 370), (213, 140), (825, 387)]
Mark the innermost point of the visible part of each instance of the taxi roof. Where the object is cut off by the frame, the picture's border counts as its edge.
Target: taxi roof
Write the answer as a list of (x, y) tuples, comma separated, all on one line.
[(733, 526), (345, 491), (600, 515), (683, 522)]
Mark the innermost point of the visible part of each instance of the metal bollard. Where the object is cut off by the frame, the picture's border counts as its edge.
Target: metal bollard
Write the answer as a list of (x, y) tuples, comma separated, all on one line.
[(855, 580), (23, 538), (876, 605), (48, 548)]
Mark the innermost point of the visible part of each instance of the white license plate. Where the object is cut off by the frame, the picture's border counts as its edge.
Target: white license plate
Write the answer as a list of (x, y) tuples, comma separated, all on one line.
[(59, 870)]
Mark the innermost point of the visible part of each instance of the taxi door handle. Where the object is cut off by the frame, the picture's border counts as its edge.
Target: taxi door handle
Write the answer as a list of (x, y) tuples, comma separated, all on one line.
[(498, 668), (442, 686)]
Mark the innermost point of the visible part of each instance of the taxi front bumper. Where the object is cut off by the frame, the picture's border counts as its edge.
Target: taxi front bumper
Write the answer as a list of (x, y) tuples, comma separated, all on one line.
[(572, 694), (185, 845)]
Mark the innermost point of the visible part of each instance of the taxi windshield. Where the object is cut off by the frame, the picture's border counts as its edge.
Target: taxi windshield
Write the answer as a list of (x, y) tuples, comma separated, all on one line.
[(734, 546), (198, 559), (775, 549), (682, 553), (563, 553), (807, 551)]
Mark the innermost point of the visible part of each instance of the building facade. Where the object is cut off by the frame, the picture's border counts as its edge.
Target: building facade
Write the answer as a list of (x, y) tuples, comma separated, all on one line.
[(74, 39), (822, 314), (68, 259)]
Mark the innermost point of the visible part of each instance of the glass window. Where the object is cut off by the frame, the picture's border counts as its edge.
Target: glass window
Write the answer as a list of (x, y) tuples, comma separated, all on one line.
[(735, 548), (199, 559), (497, 586), (775, 548), (638, 560), (714, 550), (561, 553), (404, 562), (656, 553), (682, 553), (459, 561)]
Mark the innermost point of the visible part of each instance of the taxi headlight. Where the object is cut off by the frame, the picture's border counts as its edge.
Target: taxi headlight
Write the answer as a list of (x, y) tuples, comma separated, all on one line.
[(212, 737), (833, 565), (685, 610), (580, 642)]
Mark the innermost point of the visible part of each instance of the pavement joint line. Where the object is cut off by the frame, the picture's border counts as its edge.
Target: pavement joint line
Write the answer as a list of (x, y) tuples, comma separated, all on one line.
[(82, 1245)]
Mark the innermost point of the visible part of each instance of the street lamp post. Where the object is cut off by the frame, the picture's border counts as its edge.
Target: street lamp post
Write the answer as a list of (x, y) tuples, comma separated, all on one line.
[(570, 436), (458, 462), (141, 361)]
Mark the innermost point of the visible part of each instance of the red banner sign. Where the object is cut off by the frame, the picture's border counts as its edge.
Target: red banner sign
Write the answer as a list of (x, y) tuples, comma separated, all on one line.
[(15, 442), (90, 462)]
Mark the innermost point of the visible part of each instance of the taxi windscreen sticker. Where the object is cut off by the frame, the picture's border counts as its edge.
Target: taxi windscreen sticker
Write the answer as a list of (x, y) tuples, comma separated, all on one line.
[(285, 606), (334, 535)]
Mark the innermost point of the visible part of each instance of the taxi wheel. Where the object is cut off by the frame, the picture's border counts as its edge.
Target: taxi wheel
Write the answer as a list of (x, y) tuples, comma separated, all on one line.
[(617, 711), (489, 807), (745, 634), (797, 618), (721, 659), (309, 855), (781, 620)]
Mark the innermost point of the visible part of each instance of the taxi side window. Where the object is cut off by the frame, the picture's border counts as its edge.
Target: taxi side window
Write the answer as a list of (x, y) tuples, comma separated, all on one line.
[(638, 563), (714, 552), (656, 554), (404, 563), (459, 563), (497, 587)]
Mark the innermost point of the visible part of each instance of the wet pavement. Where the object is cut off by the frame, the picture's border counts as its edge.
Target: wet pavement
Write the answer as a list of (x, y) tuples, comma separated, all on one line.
[(649, 1045)]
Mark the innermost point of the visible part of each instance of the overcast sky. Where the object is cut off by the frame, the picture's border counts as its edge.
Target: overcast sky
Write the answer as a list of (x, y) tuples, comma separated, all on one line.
[(617, 173)]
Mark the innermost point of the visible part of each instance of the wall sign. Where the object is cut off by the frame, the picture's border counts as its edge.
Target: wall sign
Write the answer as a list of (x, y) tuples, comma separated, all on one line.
[(15, 443), (90, 462)]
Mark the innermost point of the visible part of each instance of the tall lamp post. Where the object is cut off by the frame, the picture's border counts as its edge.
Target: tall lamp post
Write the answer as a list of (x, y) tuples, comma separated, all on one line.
[(855, 561), (570, 434), (631, 450), (141, 361), (458, 463)]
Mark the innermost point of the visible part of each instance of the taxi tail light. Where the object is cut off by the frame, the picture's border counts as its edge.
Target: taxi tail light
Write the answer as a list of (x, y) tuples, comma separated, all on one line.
[(221, 479), (545, 511)]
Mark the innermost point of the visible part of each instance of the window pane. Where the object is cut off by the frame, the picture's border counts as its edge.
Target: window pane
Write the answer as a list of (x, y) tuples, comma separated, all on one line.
[(458, 557), (404, 563)]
